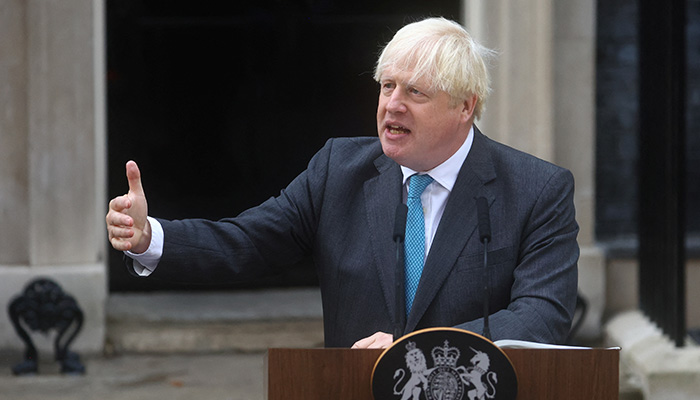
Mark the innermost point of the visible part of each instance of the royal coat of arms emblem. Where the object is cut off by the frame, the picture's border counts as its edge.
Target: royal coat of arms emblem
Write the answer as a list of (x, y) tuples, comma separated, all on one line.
[(456, 372)]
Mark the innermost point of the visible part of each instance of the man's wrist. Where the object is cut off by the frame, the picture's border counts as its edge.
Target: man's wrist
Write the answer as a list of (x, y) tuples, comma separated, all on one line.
[(151, 256), (144, 241)]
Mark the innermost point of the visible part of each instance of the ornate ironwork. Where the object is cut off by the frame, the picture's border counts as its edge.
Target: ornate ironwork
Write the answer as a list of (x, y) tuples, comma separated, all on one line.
[(44, 306)]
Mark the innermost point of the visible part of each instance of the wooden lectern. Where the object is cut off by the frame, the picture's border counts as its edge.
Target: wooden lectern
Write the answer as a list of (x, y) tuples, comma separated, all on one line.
[(345, 374)]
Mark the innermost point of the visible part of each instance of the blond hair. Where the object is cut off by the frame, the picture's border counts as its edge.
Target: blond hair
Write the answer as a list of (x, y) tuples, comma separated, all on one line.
[(445, 54)]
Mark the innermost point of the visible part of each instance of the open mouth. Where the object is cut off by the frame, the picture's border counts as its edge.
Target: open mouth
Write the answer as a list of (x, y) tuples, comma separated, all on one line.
[(397, 130)]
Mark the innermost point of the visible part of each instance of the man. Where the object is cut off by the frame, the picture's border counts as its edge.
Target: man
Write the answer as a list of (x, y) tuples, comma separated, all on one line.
[(341, 211)]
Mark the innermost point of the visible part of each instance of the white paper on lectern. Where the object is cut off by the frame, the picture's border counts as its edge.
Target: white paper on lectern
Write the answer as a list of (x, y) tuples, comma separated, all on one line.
[(524, 344)]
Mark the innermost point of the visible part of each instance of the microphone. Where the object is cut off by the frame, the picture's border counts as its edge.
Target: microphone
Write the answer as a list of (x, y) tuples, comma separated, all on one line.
[(482, 210), (399, 236)]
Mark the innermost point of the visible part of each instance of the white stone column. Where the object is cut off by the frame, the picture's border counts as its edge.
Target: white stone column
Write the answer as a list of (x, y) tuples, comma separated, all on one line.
[(14, 193), (52, 157), (543, 103), (575, 122), (519, 111)]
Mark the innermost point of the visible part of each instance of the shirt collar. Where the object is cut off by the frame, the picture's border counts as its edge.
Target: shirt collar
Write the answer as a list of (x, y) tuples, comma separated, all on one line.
[(446, 173)]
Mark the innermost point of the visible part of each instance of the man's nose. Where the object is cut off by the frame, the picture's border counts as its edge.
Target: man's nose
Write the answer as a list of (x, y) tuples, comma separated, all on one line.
[(396, 102)]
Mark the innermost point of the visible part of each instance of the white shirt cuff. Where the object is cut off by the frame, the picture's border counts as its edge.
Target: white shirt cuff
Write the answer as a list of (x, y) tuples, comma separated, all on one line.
[(146, 262)]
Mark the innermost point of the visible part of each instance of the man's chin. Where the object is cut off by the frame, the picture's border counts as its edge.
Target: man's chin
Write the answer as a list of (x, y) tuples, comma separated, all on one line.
[(401, 154), (392, 151)]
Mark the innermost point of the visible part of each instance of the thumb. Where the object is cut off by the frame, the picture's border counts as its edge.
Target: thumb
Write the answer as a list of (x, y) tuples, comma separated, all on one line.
[(133, 174)]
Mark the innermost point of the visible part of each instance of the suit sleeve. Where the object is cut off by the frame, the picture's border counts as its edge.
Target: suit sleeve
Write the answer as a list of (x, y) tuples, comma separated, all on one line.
[(545, 277), (256, 243)]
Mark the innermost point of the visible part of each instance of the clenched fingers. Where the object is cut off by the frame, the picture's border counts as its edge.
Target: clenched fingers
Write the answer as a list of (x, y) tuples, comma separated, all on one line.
[(120, 203), (379, 340)]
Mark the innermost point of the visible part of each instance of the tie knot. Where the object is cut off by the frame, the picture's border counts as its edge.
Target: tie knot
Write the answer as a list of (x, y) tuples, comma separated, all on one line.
[(417, 184)]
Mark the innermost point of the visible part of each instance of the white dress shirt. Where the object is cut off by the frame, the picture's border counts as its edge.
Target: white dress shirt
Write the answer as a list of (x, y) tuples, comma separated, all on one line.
[(434, 199), (435, 195)]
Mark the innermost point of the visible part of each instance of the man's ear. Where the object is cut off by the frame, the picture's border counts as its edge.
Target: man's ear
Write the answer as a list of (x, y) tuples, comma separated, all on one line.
[(468, 108)]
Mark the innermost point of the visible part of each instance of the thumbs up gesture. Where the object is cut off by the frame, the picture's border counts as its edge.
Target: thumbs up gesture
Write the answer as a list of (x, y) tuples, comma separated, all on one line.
[(127, 225)]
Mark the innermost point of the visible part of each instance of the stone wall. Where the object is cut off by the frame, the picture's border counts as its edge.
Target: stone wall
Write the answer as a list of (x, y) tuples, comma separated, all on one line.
[(543, 103), (52, 152)]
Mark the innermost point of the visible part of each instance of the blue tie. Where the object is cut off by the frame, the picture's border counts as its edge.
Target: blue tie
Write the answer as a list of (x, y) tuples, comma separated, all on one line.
[(414, 246)]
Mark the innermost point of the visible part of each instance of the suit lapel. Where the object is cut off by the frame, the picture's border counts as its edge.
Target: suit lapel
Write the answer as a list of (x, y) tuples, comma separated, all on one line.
[(382, 194), (457, 225)]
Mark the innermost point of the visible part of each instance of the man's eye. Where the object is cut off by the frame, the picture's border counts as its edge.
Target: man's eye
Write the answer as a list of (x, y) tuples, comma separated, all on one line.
[(388, 88), (415, 91)]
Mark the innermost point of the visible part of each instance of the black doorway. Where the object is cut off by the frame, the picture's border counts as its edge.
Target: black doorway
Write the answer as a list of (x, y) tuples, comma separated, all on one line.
[(202, 94)]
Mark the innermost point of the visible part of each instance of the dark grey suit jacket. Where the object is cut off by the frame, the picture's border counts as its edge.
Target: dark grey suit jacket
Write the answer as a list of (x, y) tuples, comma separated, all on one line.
[(341, 212)]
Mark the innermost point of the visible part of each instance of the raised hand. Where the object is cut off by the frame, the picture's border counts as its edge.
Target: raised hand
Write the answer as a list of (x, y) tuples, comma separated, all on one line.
[(127, 225)]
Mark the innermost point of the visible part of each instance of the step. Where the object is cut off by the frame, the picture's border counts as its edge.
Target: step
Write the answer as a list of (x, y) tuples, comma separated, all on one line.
[(201, 322)]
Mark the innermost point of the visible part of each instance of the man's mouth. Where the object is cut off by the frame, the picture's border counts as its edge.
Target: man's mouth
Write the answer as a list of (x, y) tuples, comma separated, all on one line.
[(397, 130)]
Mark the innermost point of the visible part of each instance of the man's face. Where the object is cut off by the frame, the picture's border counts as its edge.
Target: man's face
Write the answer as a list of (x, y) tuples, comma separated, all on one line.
[(418, 127)]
